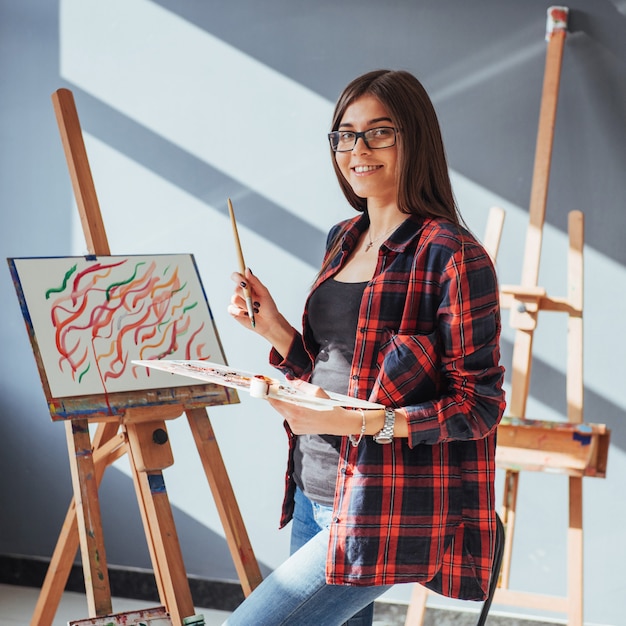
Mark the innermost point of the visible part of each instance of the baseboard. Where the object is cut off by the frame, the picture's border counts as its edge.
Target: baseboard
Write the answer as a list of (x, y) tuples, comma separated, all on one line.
[(136, 584)]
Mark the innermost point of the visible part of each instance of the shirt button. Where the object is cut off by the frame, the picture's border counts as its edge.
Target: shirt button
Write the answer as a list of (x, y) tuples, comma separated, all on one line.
[(355, 377), (335, 520)]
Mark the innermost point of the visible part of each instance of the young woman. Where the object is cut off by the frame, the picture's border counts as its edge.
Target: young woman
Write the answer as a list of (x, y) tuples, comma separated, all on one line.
[(404, 312)]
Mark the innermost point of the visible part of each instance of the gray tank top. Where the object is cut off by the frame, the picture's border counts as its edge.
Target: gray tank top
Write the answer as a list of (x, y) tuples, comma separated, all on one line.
[(333, 315)]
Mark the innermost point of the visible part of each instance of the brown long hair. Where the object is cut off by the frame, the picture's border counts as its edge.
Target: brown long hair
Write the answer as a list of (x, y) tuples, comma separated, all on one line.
[(423, 182), (424, 186)]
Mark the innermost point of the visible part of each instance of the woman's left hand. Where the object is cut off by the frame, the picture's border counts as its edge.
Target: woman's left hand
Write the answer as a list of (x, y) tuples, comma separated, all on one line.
[(305, 421)]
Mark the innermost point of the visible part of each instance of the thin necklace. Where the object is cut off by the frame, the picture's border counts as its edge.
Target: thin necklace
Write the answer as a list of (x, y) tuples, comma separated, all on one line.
[(373, 241)]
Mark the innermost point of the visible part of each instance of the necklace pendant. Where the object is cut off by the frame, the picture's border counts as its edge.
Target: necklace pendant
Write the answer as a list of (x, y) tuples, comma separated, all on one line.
[(368, 246)]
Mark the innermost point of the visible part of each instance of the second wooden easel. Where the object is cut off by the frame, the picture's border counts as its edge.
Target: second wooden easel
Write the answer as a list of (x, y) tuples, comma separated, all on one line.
[(140, 433), (573, 448)]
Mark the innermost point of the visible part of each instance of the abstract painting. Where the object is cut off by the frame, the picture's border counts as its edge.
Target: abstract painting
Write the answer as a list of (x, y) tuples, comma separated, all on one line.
[(91, 316)]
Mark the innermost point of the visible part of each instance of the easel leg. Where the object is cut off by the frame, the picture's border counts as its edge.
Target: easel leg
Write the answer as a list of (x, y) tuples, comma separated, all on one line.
[(417, 606), (147, 457), (508, 520), (107, 450), (575, 553), (89, 518), (221, 488)]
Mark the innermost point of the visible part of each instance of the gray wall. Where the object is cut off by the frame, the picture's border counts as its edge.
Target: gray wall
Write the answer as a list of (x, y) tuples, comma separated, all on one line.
[(185, 103)]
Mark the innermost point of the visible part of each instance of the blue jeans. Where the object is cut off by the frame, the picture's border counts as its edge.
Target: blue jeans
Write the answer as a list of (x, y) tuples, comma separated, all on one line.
[(296, 593)]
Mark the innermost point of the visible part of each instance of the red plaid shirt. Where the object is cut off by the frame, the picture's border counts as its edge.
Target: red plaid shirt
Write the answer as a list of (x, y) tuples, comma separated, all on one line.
[(422, 508)]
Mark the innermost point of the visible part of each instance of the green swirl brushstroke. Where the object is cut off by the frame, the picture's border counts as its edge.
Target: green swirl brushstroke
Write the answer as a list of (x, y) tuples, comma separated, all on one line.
[(163, 323), (63, 284), (123, 282), (179, 289), (80, 376), (191, 306)]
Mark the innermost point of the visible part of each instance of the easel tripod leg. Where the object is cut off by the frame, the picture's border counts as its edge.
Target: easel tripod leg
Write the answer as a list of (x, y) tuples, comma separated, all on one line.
[(575, 552), (89, 518), (508, 520), (146, 460), (107, 448)]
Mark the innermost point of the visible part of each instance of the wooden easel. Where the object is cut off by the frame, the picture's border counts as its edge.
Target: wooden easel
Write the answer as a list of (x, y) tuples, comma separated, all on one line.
[(141, 433), (573, 448)]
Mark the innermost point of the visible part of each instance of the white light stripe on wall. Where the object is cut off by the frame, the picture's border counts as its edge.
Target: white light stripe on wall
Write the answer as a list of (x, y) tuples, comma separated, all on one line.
[(224, 107)]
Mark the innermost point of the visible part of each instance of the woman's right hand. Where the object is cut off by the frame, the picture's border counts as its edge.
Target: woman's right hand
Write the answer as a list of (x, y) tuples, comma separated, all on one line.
[(268, 320)]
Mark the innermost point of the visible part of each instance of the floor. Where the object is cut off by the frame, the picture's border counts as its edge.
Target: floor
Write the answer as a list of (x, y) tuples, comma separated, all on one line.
[(17, 605)]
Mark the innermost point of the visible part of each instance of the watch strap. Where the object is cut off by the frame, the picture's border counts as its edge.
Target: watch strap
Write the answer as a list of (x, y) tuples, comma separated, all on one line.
[(385, 434)]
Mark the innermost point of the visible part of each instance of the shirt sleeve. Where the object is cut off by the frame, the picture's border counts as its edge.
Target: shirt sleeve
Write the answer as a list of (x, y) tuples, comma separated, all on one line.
[(296, 363), (469, 401)]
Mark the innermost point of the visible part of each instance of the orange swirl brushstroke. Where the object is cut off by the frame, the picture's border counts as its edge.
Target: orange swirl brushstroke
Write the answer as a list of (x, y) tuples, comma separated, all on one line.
[(181, 304), (173, 284), (154, 346)]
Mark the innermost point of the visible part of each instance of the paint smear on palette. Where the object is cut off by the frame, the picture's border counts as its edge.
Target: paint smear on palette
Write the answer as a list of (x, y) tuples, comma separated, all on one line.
[(92, 316)]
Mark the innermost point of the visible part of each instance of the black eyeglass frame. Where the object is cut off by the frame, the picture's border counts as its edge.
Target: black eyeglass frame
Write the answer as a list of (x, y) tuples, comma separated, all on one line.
[(362, 135)]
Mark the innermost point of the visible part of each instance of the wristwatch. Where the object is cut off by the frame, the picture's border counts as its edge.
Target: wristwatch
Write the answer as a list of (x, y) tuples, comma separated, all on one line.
[(385, 434)]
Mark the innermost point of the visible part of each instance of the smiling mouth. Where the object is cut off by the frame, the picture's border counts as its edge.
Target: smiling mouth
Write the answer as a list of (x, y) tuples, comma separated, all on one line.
[(361, 169)]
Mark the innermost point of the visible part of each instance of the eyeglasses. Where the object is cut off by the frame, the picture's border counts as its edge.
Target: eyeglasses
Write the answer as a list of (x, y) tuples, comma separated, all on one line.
[(374, 138)]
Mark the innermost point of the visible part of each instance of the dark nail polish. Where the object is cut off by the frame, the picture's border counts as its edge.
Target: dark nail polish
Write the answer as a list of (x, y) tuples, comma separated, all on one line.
[(257, 304), (242, 284)]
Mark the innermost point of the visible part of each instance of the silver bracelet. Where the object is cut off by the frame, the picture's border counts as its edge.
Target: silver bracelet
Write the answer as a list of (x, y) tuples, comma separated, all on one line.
[(354, 440)]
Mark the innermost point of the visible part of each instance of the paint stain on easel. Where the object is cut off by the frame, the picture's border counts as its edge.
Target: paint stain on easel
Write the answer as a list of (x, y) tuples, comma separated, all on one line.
[(157, 483), (582, 438)]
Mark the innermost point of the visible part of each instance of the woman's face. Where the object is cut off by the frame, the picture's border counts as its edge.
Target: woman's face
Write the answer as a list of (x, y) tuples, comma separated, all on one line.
[(370, 172)]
